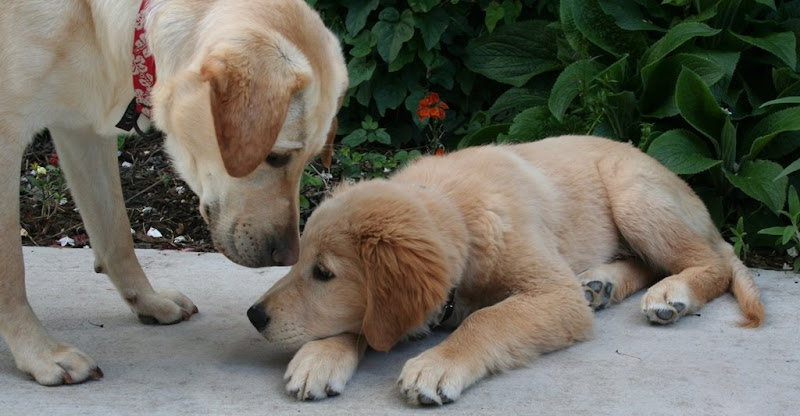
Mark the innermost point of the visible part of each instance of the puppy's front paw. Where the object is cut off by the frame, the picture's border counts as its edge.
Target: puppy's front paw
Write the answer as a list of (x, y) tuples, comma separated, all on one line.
[(667, 301), (166, 307), (321, 368), (57, 364), (431, 379)]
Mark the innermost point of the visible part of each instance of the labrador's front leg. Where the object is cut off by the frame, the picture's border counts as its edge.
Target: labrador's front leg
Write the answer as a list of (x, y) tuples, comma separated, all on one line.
[(322, 368), (495, 339), (90, 165)]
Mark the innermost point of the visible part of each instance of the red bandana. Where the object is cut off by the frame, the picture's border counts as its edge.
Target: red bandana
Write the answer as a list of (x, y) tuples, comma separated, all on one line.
[(144, 66)]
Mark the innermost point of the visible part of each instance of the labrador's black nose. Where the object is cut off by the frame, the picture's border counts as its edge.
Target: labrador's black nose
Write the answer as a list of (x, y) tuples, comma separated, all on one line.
[(258, 317)]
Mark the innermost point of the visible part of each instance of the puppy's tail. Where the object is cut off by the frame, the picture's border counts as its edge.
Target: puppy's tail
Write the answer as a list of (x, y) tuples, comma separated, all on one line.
[(747, 294)]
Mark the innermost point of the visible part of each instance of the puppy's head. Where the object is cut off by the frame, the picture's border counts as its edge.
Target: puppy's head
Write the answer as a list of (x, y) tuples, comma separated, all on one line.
[(371, 263), (242, 121)]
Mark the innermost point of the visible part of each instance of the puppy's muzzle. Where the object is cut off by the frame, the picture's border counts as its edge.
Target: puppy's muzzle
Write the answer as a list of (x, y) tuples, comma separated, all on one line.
[(258, 317)]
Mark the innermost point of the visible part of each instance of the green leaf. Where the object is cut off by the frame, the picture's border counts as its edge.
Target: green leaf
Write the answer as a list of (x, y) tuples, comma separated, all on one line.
[(483, 135), (362, 44), (573, 80), (793, 167), (773, 231), (389, 93), (794, 203), (728, 143), (628, 15), (661, 77), (514, 54), (784, 100), (677, 36), (355, 138), (393, 30), (682, 152), (770, 126), (423, 5), (357, 13), (381, 136), (757, 180), (768, 3), (517, 99), (574, 37), (442, 72), (601, 29), (698, 107), (782, 45), (788, 233), (431, 26), (532, 124), (360, 70), (494, 13)]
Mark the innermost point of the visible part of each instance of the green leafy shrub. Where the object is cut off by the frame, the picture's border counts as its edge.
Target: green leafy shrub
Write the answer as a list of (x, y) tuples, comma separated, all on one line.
[(708, 87)]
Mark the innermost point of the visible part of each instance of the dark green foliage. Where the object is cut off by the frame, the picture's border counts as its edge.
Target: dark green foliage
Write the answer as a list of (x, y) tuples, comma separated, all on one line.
[(708, 87)]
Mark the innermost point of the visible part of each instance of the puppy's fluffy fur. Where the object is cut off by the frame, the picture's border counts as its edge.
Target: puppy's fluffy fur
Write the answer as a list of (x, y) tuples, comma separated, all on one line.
[(530, 237), (246, 93)]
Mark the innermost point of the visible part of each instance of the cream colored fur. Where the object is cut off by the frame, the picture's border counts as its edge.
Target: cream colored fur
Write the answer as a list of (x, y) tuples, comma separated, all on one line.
[(240, 85), (531, 238)]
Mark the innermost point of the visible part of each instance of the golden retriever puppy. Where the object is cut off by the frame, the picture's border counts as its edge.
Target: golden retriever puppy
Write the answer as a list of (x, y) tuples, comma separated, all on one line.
[(520, 241), (245, 91)]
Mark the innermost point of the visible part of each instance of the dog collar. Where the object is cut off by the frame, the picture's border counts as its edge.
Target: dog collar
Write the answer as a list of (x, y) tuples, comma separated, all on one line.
[(144, 77)]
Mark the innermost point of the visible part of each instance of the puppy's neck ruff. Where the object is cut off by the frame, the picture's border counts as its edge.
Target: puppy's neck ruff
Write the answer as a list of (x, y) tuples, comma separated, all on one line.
[(144, 77)]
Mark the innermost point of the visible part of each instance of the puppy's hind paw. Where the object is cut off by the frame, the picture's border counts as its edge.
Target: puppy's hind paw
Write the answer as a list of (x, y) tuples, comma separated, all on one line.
[(597, 293), (667, 301)]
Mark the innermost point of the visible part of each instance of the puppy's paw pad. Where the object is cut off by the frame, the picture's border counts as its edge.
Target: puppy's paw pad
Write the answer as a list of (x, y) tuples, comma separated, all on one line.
[(665, 313), (666, 302), (598, 293)]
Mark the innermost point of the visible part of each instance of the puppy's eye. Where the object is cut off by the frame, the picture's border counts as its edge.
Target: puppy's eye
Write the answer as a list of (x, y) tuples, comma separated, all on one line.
[(321, 274), (277, 160)]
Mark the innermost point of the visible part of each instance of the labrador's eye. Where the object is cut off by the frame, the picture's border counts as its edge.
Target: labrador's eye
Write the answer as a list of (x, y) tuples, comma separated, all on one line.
[(277, 160), (321, 274)]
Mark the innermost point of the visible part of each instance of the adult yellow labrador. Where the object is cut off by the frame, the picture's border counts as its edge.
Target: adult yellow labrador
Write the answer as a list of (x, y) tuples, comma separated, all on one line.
[(246, 92), (521, 241)]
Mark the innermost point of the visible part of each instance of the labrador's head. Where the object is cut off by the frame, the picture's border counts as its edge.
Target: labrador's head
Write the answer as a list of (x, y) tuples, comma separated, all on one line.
[(371, 263), (256, 105)]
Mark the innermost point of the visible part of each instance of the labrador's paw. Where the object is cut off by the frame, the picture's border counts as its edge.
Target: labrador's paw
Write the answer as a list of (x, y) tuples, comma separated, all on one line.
[(667, 301), (431, 379), (58, 363), (166, 307), (321, 368)]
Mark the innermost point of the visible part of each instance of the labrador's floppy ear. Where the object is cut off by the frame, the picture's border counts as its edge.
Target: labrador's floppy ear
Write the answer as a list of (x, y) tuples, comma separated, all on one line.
[(406, 274), (249, 101)]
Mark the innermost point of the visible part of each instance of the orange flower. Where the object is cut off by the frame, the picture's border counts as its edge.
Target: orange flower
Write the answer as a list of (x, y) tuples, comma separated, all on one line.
[(439, 152), (431, 106)]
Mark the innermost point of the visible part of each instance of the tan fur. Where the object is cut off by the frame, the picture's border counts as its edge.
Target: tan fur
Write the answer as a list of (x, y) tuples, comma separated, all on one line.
[(238, 82), (531, 237)]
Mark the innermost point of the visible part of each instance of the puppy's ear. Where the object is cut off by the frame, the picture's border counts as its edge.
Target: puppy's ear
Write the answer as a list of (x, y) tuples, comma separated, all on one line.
[(327, 150), (249, 103), (406, 277)]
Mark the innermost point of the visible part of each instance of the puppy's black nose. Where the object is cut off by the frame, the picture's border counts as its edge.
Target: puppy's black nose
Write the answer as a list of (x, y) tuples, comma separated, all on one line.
[(258, 317)]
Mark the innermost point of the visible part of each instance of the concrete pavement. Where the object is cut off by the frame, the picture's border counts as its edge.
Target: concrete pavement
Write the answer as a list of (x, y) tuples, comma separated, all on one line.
[(217, 363)]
